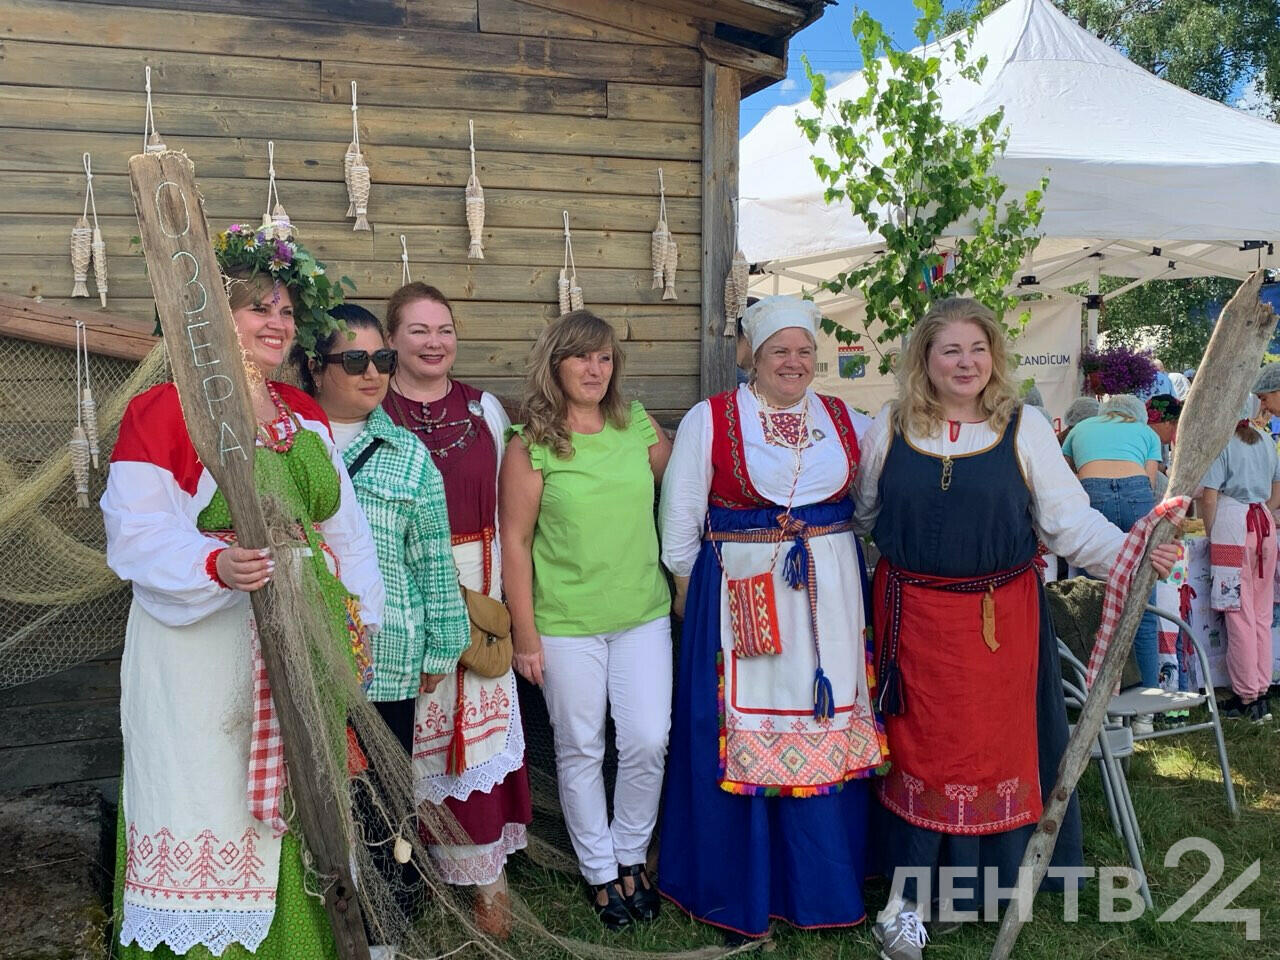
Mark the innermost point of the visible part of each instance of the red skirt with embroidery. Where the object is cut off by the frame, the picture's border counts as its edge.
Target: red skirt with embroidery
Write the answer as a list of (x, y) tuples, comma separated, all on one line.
[(964, 745)]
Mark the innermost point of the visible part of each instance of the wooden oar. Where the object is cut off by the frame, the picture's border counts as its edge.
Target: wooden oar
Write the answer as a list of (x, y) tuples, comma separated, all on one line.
[(208, 371), (1208, 419)]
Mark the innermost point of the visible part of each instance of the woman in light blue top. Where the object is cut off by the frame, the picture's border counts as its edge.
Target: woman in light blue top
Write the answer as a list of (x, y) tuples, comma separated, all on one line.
[(1115, 455)]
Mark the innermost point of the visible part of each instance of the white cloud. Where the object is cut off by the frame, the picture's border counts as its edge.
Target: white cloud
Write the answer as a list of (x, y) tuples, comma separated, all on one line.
[(789, 85), (838, 76), (1253, 101)]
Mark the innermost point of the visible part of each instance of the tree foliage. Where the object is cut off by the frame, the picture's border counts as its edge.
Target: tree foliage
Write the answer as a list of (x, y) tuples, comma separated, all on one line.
[(1172, 317), (911, 176), (1210, 47)]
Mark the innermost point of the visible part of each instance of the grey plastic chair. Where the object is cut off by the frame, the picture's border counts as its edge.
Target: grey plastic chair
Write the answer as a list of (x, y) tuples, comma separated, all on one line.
[(1143, 700)]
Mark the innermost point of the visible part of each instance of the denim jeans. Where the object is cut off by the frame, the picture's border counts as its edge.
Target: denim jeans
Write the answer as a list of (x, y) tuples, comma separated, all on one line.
[(1124, 501)]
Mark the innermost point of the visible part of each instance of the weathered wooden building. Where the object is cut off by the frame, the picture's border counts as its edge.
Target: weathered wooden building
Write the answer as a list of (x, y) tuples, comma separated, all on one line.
[(576, 104)]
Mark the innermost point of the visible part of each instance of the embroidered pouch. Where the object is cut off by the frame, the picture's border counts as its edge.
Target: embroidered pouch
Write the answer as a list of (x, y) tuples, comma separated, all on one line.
[(753, 616)]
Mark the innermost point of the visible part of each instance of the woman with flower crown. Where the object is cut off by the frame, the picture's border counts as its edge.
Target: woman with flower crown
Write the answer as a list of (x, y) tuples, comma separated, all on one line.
[(207, 863)]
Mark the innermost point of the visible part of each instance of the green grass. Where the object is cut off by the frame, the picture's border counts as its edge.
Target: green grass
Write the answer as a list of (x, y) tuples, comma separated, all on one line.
[(1177, 792)]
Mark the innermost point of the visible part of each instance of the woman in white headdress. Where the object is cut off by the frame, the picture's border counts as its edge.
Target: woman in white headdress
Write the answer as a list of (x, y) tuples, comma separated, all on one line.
[(773, 733)]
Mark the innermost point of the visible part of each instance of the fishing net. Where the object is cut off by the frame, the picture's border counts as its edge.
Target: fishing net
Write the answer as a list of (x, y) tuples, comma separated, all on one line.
[(60, 605)]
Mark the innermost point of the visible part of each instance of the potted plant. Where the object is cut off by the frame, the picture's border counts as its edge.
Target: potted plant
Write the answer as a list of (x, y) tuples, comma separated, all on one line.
[(1116, 370)]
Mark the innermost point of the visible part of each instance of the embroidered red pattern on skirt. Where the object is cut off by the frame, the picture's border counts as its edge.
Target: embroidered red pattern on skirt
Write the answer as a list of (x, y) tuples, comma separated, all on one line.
[(163, 867)]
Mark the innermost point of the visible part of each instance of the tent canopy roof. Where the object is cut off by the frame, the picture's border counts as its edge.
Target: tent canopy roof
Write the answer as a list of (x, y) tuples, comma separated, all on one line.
[(1135, 165)]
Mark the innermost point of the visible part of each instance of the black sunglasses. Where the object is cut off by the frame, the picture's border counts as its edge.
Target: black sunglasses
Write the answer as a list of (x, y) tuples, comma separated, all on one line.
[(356, 362)]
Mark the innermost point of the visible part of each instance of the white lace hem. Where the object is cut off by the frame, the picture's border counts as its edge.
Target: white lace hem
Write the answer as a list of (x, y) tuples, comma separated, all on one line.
[(435, 788), (477, 865), (183, 929)]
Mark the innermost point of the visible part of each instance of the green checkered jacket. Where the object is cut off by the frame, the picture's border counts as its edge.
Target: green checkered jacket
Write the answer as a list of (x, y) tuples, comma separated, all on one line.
[(425, 626)]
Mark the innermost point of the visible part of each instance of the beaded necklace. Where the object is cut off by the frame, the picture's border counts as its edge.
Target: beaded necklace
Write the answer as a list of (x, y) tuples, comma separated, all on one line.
[(781, 429), (427, 427), (278, 434)]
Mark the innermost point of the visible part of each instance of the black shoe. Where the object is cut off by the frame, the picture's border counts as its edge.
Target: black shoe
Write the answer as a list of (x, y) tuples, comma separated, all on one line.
[(643, 902), (732, 938), (1266, 707), (1258, 711), (1233, 709), (614, 913)]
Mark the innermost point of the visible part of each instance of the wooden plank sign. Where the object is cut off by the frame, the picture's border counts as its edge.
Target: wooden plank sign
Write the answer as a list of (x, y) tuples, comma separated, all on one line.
[(1222, 383), (208, 371)]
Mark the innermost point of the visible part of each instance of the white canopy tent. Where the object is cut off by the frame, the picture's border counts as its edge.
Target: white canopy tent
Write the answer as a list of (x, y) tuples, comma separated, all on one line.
[(1146, 180)]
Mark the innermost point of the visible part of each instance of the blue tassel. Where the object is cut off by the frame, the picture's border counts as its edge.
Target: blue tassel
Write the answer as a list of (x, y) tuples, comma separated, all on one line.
[(889, 703), (824, 698), (795, 569)]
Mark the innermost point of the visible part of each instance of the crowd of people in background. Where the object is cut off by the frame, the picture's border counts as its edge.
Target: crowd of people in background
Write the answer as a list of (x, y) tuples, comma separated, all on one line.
[(817, 728)]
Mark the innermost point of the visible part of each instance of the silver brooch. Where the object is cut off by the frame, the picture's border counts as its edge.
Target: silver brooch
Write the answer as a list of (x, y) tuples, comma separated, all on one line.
[(474, 408), (817, 434)]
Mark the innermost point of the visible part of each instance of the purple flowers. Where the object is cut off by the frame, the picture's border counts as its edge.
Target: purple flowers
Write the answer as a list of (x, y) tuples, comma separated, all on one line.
[(1117, 370), (284, 253)]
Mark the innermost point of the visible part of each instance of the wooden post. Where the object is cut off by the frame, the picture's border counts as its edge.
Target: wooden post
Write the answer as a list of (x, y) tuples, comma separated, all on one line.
[(1222, 383), (209, 373), (721, 96)]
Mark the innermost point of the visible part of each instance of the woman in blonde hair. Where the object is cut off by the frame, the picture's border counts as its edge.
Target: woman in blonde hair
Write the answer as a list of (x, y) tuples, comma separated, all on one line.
[(957, 485), (590, 609), (1116, 455)]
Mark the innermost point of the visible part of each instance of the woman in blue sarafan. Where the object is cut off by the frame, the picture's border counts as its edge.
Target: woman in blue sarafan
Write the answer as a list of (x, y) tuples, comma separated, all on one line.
[(959, 484), (773, 733)]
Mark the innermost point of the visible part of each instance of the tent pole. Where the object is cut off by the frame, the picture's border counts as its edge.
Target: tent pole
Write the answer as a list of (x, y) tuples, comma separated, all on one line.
[(1095, 287)]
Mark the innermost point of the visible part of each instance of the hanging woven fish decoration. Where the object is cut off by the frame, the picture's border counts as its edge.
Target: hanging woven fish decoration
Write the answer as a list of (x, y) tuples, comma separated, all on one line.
[(88, 409), (562, 290), (360, 186), (736, 288), (570, 292), (475, 204), (79, 445), (660, 238), (669, 271), (353, 152), (81, 254), (99, 248)]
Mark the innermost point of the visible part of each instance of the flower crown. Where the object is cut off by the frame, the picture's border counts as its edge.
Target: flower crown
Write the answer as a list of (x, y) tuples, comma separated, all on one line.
[(272, 248)]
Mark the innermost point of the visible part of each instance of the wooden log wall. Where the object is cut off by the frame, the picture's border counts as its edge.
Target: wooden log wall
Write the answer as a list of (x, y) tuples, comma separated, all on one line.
[(570, 114)]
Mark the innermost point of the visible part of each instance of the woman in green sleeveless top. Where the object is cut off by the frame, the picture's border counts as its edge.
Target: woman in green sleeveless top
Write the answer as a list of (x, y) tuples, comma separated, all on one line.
[(590, 608)]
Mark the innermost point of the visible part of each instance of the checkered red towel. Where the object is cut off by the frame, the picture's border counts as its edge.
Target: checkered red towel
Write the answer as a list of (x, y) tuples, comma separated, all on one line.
[(1131, 551), (267, 776)]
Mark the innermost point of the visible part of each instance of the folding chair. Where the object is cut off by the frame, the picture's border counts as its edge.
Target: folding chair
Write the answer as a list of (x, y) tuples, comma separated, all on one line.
[(1113, 744), (1143, 700)]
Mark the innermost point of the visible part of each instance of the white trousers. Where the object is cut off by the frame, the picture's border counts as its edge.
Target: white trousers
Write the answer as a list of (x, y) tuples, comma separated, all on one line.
[(630, 672)]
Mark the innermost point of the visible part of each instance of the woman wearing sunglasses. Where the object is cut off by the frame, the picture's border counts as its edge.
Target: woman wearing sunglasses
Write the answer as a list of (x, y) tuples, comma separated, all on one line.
[(469, 747), (425, 626)]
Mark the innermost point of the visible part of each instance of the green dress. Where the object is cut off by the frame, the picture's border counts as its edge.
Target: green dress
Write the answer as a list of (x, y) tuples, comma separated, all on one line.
[(304, 478)]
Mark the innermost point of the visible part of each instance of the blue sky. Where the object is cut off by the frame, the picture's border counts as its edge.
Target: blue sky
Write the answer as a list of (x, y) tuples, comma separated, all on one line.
[(829, 45)]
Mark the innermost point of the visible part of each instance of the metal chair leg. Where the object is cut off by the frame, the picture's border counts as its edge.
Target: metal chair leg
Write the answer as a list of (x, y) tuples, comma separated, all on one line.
[(1132, 839), (1108, 794)]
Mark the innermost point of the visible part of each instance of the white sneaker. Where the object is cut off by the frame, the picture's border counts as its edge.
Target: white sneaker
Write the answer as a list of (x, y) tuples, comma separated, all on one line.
[(902, 938)]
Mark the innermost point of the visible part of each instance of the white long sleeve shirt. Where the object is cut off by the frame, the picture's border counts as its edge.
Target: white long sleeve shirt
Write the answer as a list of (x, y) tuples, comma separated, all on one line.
[(1061, 514)]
